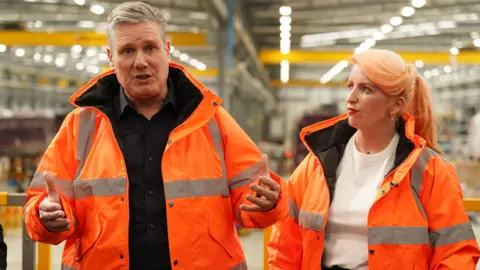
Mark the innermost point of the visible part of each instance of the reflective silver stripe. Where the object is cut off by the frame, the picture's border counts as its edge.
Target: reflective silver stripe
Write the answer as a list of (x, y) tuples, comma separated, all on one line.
[(241, 266), (398, 235), (63, 186), (246, 177), (451, 235), (195, 188), (217, 141), (100, 187), (310, 220), (293, 209), (416, 176), (64, 267), (86, 128)]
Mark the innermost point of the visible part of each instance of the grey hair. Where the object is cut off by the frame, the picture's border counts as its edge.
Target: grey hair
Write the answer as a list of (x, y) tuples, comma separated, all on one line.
[(133, 13)]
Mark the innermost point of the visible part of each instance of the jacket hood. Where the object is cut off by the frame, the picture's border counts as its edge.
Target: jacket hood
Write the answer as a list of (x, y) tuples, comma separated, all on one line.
[(101, 90), (334, 131)]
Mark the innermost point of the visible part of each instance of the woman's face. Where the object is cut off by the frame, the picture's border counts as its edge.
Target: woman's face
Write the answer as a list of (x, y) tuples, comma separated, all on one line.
[(368, 106)]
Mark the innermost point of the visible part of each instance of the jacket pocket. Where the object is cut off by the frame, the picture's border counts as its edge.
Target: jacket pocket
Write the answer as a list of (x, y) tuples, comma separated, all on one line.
[(89, 235), (220, 227)]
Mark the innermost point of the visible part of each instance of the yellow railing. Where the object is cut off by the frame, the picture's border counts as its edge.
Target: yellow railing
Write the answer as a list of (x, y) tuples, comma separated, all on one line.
[(44, 250), (471, 205)]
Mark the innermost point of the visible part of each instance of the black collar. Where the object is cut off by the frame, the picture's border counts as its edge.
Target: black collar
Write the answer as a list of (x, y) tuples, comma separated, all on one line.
[(171, 99)]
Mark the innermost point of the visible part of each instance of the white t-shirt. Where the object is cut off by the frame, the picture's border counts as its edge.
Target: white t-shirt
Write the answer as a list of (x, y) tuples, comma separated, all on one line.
[(359, 176)]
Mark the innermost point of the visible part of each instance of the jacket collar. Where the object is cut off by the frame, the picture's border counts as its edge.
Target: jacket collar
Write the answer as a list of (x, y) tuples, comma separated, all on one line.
[(191, 96), (327, 140)]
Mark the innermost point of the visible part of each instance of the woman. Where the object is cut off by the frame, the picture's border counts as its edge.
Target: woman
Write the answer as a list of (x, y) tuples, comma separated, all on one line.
[(374, 192)]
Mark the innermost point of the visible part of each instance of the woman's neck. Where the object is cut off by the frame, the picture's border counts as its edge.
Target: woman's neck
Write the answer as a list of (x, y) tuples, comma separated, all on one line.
[(374, 140)]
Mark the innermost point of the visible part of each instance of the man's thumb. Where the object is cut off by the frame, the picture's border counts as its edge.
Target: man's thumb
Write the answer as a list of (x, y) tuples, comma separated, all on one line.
[(52, 193), (264, 164)]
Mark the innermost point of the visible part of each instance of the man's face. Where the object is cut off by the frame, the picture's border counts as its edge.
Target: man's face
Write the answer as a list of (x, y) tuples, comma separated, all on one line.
[(140, 58)]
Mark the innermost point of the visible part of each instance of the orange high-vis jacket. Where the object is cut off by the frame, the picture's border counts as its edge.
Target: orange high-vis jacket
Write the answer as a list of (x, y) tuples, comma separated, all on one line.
[(418, 220), (208, 165)]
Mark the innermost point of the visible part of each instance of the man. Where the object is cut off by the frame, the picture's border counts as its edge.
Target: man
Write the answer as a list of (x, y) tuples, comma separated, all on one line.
[(149, 171), (3, 250)]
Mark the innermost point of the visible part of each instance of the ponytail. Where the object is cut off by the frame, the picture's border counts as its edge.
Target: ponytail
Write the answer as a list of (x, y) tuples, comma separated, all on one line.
[(420, 107)]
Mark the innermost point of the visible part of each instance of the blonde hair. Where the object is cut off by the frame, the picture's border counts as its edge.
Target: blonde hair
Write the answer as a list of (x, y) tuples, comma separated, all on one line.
[(135, 12), (394, 77)]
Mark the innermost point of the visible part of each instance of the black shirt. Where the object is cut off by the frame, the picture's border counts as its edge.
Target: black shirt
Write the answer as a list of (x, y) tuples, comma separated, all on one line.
[(143, 142)]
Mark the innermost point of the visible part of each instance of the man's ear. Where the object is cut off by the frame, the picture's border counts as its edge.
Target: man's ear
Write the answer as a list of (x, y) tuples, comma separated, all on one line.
[(110, 58)]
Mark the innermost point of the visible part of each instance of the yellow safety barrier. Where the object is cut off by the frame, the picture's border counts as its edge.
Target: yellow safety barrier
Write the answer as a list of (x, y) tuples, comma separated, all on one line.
[(44, 256), (11, 217), (471, 205)]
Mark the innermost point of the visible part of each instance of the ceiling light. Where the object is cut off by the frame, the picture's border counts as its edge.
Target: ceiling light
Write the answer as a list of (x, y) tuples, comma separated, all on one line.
[(47, 58), (20, 52), (285, 35), (97, 9), (285, 28), (285, 20), (396, 20), (454, 51), (80, 66), (435, 72), (419, 64), (447, 69), (172, 49), (86, 24), (60, 62), (418, 3), (77, 48), (80, 2), (285, 50), (386, 28), (407, 11), (370, 42), (91, 52), (378, 35), (193, 62), (285, 10), (284, 71), (184, 57), (103, 57), (3, 48), (476, 42), (201, 66), (37, 57), (427, 74)]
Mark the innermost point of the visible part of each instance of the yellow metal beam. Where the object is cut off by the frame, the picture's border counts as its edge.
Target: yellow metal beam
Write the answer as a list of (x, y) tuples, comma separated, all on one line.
[(270, 56), (25, 38), (209, 72), (307, 83), (472, 204)]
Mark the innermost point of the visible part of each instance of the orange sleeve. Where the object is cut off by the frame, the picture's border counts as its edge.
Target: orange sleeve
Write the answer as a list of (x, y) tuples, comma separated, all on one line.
[(451, 234), (242, 160), (59, 160), (285, 248)]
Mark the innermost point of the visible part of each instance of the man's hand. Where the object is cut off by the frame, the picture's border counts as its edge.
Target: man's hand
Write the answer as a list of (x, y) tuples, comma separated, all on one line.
[(50, 210), (267, 191)]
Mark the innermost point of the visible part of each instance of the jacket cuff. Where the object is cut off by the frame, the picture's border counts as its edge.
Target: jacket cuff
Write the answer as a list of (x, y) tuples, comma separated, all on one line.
[(41, 233)]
